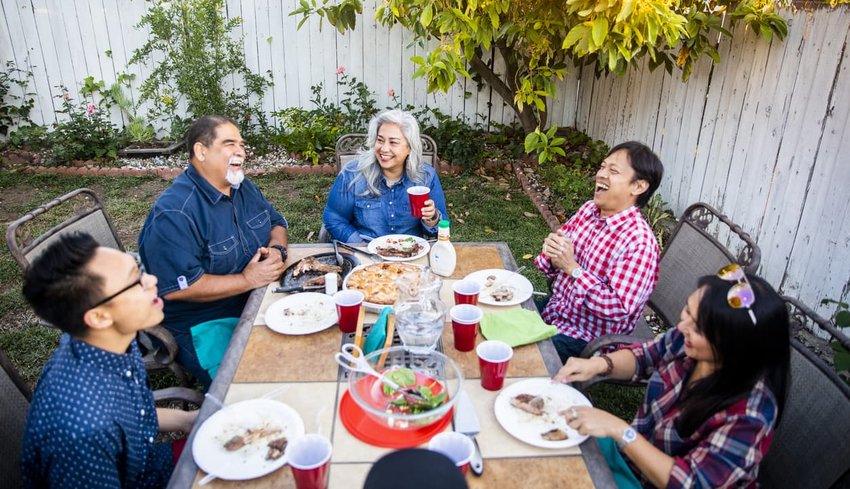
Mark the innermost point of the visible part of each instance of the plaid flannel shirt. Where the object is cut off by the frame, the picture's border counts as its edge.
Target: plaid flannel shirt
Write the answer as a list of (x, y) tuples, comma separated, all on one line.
[(726, 449), (619, 255)]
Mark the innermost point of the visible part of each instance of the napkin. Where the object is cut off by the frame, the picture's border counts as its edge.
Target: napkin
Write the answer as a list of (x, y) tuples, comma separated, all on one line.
[(211, 339), (516, 327), (378, 333)]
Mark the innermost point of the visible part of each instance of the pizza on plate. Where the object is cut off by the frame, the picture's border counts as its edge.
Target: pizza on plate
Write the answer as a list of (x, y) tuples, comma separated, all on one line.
[(377, 281)]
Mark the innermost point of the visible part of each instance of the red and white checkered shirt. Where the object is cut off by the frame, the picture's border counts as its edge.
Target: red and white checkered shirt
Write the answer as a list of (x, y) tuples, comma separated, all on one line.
[(619, 255)]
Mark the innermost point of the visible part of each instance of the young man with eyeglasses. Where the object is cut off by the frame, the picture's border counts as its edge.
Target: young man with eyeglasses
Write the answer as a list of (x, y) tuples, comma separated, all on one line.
[(603, 262), (93, 421)]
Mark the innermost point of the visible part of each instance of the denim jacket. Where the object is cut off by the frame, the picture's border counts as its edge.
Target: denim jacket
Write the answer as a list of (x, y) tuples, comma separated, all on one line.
[(349, 213)]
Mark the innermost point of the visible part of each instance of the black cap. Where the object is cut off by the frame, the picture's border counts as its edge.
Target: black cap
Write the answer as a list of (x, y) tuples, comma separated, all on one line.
[(415, 468)]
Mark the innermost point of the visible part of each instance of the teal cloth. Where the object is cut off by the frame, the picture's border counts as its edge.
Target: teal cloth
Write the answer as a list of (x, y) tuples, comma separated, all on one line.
[(516, 327), (211, 339), (623, 475)]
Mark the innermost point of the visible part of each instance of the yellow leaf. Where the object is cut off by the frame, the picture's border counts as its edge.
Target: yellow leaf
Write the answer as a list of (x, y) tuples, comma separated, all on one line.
[(527, 256), (529, 214), (450, 204), (460, 220), (489, 230), (508, 196)]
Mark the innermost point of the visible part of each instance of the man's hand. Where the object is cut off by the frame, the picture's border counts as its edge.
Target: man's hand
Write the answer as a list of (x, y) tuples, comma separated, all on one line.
[(264, 268), (559, 249), (429, 213)]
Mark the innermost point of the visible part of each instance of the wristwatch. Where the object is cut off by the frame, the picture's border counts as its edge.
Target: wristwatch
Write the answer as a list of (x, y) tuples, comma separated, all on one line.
[(282, 250), (628, 437), (577, 273)]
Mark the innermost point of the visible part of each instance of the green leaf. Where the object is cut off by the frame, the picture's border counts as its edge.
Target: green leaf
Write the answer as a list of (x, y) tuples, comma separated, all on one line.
[(841, 359), (600, 30), (626, 11), (842, 319), (575, 34), (427, 16)]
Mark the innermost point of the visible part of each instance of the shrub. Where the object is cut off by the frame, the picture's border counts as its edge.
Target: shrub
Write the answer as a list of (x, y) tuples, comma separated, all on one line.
[(87, 133), (15, 123), (457, 140)]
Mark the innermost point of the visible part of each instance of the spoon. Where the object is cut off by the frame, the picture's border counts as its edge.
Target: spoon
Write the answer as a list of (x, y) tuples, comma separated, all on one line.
[(374, 256), (352, 359), (339, 260)]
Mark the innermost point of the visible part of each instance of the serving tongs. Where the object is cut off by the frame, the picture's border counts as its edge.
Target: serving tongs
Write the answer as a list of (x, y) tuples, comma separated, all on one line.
[(352, 359), (374, 256)]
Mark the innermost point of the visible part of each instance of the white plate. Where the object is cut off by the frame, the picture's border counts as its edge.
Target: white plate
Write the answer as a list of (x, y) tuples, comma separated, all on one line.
[(249, 462), (528, 427), (522, 287), (371, 306), (383, 240), (311, 312)]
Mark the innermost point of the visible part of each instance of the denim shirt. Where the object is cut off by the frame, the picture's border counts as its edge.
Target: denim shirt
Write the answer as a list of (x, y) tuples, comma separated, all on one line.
[(93, 422), (194, 229), (349, 213)]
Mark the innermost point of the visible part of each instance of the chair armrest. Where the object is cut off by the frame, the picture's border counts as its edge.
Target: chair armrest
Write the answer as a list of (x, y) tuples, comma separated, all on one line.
[(178, 394), (167, 354), (609, 340)]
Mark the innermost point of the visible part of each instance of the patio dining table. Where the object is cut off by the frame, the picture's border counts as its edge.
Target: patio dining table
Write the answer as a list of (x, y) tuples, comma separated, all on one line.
[(301, 372)]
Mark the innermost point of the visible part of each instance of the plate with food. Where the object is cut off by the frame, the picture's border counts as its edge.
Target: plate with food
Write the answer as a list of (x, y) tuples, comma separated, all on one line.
[(399, 247), (377, 282), (305, 313), (501, 287), (530, 410), (310, 271), (247, 439)]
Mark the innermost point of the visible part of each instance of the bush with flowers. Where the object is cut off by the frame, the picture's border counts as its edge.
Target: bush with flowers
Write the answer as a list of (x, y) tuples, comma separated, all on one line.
[(85, 133)]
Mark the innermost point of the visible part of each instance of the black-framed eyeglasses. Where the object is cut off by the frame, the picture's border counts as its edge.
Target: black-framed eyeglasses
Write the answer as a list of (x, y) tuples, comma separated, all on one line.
[(136, 282)]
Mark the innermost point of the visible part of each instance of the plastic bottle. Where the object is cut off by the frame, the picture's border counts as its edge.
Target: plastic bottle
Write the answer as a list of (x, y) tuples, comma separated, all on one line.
[(443, 257)]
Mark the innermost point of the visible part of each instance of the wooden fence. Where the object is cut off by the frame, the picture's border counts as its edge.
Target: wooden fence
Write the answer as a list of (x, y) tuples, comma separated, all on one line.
[(761, 135)]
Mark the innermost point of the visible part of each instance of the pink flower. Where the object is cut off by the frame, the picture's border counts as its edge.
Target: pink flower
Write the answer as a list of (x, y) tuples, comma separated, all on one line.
[(66, 95), (340, 70), (391, 93), (90, 109)]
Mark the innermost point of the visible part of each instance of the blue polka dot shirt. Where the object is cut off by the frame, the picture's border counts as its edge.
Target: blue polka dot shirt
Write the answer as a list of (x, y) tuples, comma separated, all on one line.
[(92, 422)]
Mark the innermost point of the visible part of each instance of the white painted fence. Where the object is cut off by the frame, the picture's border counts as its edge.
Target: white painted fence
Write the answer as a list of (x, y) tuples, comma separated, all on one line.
[(760, 136)]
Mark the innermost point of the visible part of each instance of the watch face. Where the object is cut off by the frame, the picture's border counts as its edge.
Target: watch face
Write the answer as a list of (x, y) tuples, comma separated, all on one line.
[(629, 435)]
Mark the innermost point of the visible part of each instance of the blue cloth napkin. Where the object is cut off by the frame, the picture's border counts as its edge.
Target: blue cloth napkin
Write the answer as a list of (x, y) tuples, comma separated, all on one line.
[(211, 339)]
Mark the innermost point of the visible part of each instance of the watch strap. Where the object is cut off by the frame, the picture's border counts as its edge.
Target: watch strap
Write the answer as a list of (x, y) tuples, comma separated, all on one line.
[(609, 362)]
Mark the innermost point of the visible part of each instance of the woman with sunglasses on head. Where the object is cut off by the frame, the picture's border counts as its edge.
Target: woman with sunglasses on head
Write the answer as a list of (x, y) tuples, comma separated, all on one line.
[(716, 389)]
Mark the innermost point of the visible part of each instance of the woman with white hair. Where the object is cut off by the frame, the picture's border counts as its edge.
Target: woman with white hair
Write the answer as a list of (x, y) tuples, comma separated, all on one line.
[(369, 197)]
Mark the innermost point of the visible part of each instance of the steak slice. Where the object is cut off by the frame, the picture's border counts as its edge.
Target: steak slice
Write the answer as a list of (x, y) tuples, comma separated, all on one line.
[(556, 434), (529, 403), (312, 264)]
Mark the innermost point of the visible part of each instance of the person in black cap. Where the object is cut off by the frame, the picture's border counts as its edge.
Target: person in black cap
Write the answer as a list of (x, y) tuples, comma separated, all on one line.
[(415, 468)]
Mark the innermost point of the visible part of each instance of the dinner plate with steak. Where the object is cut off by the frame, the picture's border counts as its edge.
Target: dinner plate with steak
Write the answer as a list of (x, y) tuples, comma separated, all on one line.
[(399, 247), (531, 411), (377, 282), (247, 439), (311, 270)]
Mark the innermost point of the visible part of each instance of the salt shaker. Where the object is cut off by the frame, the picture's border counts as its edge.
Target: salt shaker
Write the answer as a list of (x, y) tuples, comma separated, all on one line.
[(330, 283)]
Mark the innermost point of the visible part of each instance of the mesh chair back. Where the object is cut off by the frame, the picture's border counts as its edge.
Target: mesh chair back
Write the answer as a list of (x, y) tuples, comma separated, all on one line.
[(350, 145), (80, 210), (691, 253), (15, 399), (810, 447)]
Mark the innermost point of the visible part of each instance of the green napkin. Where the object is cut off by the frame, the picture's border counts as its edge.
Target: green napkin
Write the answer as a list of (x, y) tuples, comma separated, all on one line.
[(211, 339), (516, 327)]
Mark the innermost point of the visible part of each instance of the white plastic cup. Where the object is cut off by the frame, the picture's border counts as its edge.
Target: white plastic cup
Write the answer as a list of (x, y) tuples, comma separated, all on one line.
[(456, 446)]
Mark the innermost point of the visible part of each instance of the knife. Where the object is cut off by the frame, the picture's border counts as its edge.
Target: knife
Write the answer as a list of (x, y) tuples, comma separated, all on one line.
[(297, 288), (466, 422)]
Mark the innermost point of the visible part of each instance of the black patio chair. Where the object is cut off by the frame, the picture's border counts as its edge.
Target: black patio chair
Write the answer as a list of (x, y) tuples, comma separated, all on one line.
[(348, 146), (83, 210), (691, 252), (810, 447)]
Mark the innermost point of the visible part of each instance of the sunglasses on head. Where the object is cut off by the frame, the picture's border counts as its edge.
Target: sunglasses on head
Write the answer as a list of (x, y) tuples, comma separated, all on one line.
[(741, 295)]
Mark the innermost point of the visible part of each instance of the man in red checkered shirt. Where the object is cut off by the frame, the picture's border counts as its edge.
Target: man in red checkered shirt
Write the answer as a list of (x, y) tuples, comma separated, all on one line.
[(603, 263)]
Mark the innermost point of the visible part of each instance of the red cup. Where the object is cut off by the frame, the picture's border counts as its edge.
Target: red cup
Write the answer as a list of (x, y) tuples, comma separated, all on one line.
[(465, 319), (348, 304), (309, 457), (456, 446), (466, 292), (493, 359), (418, 195)]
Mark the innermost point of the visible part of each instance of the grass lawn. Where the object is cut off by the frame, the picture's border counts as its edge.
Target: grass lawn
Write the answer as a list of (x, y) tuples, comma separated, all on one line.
[(482, 209)]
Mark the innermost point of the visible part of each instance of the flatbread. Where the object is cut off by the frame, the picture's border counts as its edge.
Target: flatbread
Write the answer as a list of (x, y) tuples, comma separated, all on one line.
[(377, 281)]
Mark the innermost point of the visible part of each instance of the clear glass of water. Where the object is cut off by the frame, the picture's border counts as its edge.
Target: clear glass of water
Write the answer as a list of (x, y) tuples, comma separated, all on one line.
[(419, 329)]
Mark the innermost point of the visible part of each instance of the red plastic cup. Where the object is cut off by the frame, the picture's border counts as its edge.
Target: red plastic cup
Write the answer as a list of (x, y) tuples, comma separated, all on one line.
[(309, 457), (456, 446), (493, 359), (466, 292), (348, 304), (465, 319), (418, 195)]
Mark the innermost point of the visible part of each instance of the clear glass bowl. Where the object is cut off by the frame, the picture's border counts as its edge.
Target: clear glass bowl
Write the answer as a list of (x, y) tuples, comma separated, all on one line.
[(367, 390)]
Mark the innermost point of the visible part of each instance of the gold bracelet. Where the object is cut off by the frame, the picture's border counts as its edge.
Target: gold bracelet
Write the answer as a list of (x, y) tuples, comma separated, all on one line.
[(610, 363)]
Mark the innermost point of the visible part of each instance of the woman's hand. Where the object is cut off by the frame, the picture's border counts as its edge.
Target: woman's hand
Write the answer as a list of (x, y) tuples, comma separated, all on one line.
[(429, 213), (578, 369), (594, 422)]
